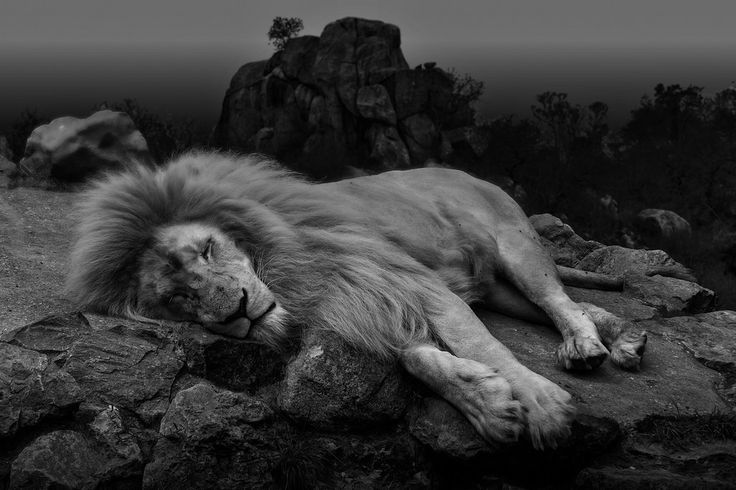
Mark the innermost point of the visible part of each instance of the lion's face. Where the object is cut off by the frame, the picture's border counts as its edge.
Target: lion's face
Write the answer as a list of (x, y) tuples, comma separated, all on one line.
[(196, 273)]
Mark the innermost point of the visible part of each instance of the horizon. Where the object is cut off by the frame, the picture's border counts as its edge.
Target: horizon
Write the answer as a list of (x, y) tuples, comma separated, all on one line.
[(179, 58)]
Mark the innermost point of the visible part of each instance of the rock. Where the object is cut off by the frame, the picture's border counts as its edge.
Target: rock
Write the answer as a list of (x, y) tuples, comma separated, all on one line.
[(387, 148), (31, 390), (560, 240), (710, 338), (617, 260), (373, 102), (331, 385), (440, 426), (131, 368), (662, 224), (5, 150), (421, 136), (61, 459), (71, 150), (7, 171), (332, 102), (417, 91), (674, 382), (465, 139), (209, 440), (203, 412), (668, 295)]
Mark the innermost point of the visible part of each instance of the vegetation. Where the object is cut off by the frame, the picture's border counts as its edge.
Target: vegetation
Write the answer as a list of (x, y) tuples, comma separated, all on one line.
[(677, 152), (283, 29), (166, 136)]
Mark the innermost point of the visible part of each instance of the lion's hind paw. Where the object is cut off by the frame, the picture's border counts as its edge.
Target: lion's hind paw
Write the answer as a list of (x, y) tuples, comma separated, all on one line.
[(628, 349), (581, 353)]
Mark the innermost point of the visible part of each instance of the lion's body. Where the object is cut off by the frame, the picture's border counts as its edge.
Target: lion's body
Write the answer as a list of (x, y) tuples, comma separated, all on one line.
[(389, 262)]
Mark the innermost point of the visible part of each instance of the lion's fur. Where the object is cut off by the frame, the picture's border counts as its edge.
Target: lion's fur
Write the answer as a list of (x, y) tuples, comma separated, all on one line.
[(326, 270)]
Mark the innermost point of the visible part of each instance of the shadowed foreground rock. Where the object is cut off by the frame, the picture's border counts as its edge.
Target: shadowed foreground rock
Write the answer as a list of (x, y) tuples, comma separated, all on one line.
[(89, 401)]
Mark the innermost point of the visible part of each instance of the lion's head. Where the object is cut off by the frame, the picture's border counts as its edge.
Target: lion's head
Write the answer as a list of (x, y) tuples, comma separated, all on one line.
[(194, 272)]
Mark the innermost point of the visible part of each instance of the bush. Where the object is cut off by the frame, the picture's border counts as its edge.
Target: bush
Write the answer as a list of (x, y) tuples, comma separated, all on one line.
[(283, 29)]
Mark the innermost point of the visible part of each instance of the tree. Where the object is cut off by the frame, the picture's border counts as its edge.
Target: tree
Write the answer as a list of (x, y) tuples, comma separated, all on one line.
[(283, 29)]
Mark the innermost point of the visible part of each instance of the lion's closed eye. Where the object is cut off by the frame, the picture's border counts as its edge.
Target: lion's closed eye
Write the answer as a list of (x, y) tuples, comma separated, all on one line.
[(206, 253)]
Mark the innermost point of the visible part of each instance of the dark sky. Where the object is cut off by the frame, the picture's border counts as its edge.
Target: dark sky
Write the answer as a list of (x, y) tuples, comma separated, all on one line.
[(177, 56)]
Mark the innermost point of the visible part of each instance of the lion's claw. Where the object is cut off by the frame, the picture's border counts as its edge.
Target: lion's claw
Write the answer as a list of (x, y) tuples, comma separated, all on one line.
[(581, 353), (628, 349)]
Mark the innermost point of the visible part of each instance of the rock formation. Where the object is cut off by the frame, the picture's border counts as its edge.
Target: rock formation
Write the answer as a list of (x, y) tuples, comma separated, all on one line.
[(89, 401), (347, 97), (657, 225), (70, 150)]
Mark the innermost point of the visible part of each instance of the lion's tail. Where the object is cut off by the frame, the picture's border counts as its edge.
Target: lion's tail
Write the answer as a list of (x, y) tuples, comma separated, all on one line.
[(589, 280)]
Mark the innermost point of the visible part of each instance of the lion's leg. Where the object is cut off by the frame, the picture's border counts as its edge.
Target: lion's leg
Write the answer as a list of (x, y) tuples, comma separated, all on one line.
[(622, 338), (548, 407), (524, 262), (475, 389)]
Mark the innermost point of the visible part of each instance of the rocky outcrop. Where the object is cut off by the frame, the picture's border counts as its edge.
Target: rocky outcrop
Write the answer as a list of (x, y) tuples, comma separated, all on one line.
[(70, 150), (347, 97), (661, 224), (90, 401)]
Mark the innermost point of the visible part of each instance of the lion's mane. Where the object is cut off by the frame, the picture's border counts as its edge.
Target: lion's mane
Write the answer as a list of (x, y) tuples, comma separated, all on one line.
[(326, 270)]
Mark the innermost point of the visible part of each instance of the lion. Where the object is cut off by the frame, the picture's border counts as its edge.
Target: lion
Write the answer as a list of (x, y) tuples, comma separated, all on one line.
[(391, 262)]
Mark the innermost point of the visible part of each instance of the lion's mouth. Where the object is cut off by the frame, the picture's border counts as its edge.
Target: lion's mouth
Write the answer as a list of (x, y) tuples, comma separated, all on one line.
[(238, 325)]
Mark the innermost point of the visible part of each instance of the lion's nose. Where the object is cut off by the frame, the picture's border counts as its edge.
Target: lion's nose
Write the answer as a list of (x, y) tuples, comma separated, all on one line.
[(244, 302)]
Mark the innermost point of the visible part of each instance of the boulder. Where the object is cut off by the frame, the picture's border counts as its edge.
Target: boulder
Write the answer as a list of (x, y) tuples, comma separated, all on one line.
[(333, 386), (373, 102), (662, 224), (617, 260), (71, 150), (5, 150), (333, 101), (560, 240), (421, 136), (387, 147), (7, 171)]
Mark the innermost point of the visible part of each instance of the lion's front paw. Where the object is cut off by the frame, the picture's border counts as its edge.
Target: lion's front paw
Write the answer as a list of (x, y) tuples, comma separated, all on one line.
[(491, 409), (581, 353), (549, 409), (628, 349)]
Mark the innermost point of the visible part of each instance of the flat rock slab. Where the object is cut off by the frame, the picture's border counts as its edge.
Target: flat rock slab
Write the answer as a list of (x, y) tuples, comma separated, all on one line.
[(131, 369), (671, 381)]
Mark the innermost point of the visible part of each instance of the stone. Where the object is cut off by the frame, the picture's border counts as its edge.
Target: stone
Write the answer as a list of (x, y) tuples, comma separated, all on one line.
[(333, 386), (322, 95), (5, 150), (416, 91), (298, 58), (560, 240), (710, 338), (421, 136), (8, 170), (387, 148), (439, 425), (71, 150), (615, 260), (662, 224), (668, 295), (210, 440), (373, 102), (202, 412), (61, 459), (131, 368), (673, 381), (31, 390)]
